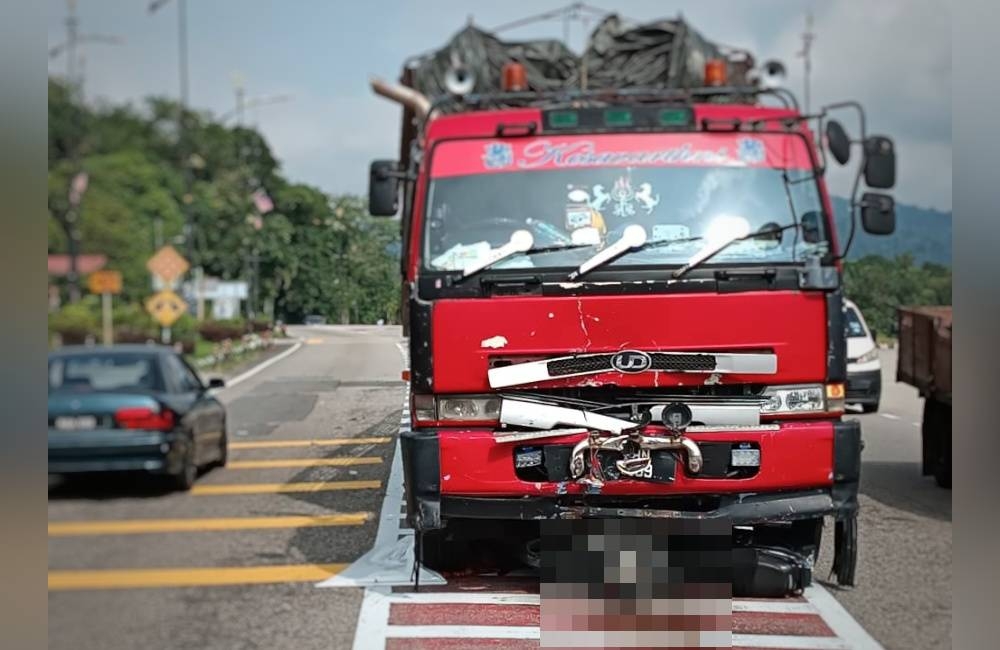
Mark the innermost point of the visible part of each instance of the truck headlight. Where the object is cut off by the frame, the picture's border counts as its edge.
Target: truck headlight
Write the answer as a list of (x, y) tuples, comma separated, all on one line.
[(807, 398), (457, 408), (871, 355)]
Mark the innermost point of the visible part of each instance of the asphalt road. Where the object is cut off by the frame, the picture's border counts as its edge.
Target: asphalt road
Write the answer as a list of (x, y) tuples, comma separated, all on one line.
[(344, 384), (903, 597)]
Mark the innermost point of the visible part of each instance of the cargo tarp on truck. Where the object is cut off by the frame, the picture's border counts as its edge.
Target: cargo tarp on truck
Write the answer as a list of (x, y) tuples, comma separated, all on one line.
[(660, 54)]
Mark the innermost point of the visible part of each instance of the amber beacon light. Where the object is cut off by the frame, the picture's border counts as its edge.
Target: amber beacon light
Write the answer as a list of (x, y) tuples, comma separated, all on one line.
[(715, 72), (514, 78)]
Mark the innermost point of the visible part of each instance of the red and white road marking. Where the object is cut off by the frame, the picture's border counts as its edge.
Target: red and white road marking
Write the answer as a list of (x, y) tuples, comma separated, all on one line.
[(504, 612)]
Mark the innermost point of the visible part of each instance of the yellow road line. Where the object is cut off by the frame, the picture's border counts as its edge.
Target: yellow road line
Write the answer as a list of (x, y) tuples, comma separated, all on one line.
[(282, 488), (136, 526), (323, 442), (303, 462), (201, 577)]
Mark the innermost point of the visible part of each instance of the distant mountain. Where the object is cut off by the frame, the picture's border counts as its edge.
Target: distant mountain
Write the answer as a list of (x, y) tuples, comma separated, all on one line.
[(924, 234)]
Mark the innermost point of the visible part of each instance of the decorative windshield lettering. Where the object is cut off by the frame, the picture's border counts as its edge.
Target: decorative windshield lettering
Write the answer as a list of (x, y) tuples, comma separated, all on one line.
[(584, 153)]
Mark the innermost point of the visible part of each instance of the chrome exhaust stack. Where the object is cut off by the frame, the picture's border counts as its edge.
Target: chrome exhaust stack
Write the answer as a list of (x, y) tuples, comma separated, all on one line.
[(408, 97)]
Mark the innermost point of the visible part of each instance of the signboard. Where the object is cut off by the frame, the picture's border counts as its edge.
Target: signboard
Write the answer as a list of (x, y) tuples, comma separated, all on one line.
[(216, 289), (105, 282), (166, 307), (229, 291), (167, 264)]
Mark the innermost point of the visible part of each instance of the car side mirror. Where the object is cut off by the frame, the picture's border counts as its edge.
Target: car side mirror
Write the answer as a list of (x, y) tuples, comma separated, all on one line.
[(383, 188), (216, 382), (880, 162), (878, 213)]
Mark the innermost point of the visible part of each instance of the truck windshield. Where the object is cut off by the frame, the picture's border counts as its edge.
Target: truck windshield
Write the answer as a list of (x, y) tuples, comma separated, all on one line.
[(570, 190)]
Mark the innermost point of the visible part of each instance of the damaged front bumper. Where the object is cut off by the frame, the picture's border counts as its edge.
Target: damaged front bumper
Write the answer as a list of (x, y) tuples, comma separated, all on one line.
[(808, 470)]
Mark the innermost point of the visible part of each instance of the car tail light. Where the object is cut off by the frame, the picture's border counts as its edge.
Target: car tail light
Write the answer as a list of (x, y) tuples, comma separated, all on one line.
[(143, 417)]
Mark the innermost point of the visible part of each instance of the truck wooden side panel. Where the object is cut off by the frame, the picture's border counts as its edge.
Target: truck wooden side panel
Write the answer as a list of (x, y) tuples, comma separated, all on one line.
[(925, 350)]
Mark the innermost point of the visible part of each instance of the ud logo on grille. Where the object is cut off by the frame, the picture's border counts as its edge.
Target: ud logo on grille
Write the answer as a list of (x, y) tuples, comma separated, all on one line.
[(631, 361)]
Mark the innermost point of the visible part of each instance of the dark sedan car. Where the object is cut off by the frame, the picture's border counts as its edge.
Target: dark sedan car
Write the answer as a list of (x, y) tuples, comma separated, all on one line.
[(132, 407)]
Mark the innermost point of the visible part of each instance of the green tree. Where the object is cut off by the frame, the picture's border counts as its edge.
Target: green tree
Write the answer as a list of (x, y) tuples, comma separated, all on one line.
[(311, 254), (880, 285)]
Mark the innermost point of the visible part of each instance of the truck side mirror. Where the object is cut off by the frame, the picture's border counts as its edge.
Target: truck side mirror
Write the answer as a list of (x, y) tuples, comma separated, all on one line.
[(880, 162), (383, 188), (878, 213), (838, 142)]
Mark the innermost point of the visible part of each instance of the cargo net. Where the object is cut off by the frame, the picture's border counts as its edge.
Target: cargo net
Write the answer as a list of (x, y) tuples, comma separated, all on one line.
[(656, 55)]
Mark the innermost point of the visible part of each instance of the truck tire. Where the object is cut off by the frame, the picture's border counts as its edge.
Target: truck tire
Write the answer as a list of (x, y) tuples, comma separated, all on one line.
[(936, 432), (942, 465), (845, 550)]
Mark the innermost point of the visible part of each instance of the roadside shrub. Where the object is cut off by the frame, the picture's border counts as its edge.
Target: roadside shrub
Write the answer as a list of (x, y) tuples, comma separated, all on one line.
[(221, 330), (260, 325), (75, 322)]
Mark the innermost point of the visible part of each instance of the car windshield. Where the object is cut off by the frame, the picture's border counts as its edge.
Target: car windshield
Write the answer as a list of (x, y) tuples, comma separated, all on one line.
[(855, 330), (587, 189), (105, 372)]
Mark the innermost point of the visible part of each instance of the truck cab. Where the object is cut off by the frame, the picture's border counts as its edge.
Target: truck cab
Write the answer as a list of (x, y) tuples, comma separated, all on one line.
[(627, 304)]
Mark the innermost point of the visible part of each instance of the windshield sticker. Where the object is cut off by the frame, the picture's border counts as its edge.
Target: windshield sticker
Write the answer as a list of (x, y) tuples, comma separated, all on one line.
[(751, 151), (498, 155), (581, 214), (464, 157), (668, 231), (461, 256), (624, 197)]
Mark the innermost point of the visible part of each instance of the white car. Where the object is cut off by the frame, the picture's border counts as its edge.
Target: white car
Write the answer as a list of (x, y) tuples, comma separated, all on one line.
[(864, 369)]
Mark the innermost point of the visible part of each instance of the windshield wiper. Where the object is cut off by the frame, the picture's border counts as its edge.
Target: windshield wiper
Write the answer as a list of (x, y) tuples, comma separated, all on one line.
[(711, 251), (632, 237), (521, 242)]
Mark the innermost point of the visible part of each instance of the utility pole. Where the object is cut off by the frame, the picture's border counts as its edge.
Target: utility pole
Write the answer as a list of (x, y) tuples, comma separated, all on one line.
[(78, 182), (72, 23), (806, 53)]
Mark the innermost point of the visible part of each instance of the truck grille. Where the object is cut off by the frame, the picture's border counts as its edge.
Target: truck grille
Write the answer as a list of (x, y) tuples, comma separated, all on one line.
[(594, 363), (683, 362), (660, 361)]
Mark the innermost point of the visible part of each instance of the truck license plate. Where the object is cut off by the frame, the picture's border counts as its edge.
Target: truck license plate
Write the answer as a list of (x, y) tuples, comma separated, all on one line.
[(663, 466)]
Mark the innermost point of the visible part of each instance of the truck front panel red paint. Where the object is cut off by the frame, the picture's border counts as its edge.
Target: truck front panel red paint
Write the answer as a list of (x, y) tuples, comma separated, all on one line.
[(798, 456), (791, 324)]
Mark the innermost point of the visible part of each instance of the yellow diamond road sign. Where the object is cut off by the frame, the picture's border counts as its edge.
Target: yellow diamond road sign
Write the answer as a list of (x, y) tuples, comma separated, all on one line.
[(166, 307), (167, 264)]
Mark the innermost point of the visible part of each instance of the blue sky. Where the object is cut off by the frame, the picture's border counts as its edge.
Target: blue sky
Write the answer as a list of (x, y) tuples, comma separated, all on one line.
[(892, 55)]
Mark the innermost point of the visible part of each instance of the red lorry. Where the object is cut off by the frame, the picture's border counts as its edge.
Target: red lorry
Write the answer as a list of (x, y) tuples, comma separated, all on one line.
[(626, 302)]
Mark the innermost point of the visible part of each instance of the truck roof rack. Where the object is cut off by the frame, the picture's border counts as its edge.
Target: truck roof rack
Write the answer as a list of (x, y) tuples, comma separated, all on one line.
[(450, 104)]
